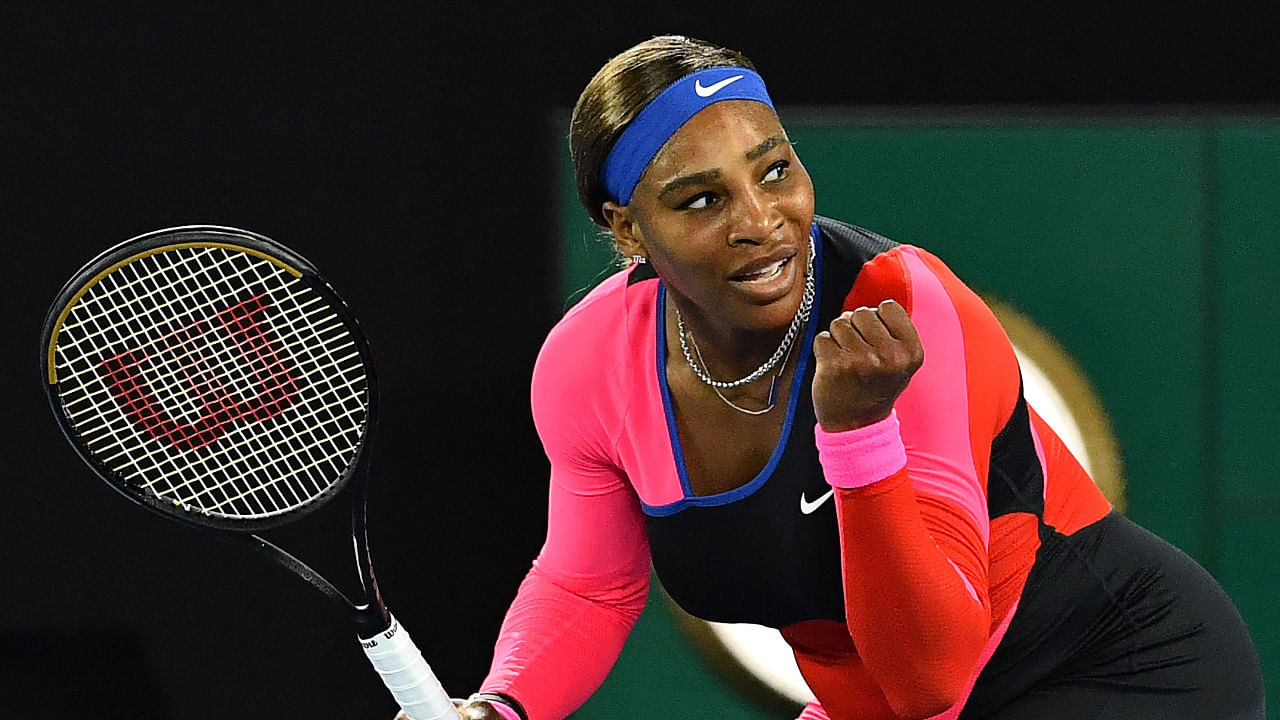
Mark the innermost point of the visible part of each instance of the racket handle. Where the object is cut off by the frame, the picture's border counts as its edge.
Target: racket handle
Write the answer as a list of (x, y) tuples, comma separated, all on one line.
[(407, 675)]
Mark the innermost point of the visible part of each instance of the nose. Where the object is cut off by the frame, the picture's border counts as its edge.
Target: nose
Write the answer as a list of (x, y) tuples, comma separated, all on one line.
[(756, 217)]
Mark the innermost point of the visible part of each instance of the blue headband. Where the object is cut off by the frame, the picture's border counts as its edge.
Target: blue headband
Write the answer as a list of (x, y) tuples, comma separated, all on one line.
[(668, 112)]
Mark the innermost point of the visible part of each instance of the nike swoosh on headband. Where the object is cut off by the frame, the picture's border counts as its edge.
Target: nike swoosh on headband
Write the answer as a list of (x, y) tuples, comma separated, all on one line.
[(714, 87), (667, 113), (807, 508)]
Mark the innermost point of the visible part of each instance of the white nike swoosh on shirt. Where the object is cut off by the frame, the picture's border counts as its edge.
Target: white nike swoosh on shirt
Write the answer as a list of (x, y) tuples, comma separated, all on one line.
[(714, 88), (807, 507)]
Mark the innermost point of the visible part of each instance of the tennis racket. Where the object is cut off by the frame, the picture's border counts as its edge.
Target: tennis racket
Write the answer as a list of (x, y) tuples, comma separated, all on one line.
[(211, 375)]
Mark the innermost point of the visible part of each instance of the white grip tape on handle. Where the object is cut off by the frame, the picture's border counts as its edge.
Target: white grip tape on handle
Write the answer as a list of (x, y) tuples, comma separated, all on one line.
[(407, 675)]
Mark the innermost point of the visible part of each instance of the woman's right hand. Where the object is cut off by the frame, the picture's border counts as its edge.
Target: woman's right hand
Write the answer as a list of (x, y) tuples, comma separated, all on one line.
[(468, 710), (864, 362)]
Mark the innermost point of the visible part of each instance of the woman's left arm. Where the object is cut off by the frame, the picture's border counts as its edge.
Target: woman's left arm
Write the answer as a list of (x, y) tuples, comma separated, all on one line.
[(909, 394)]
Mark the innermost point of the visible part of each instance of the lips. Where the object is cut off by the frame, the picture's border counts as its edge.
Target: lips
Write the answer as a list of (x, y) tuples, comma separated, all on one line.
[(767, 279), (764, 274), (765, 268)]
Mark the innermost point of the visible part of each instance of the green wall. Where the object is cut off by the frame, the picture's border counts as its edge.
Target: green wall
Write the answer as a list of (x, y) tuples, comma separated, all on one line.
[(1149, 248)]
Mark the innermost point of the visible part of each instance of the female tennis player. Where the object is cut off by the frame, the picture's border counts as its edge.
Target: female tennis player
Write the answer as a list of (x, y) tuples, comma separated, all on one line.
[(805, 425)]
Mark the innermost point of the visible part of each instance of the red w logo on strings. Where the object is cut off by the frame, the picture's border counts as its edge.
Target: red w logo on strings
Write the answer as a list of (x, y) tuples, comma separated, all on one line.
[(249, 364)]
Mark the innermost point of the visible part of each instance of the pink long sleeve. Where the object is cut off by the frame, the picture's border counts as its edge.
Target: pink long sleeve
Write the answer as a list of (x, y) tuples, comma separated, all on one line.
[(575, 608), (556, 646)]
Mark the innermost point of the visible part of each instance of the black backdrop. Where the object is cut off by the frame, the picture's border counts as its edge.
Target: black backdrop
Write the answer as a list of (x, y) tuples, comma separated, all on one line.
[(408, 152)]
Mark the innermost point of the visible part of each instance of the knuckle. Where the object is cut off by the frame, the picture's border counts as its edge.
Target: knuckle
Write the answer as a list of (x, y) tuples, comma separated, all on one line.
[(867, 363)]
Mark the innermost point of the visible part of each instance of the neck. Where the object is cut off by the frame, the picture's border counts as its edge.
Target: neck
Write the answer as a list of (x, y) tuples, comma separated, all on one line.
[(728, 352), (741, 348)]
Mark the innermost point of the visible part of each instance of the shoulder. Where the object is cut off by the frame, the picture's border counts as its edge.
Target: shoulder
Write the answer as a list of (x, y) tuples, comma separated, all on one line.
[(598, 326), (857, 261), (860, 267), (850, 243), (585, 370), (871, 267)]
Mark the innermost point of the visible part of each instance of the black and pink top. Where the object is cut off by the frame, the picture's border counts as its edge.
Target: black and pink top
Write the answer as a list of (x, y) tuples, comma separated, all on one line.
[(925, 565)]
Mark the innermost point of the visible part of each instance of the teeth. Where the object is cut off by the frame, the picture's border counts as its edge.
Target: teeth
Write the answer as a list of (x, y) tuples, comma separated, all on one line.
[(768, 273)]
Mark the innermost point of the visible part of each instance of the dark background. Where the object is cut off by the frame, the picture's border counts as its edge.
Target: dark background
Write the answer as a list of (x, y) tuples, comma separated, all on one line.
[(410, 154)]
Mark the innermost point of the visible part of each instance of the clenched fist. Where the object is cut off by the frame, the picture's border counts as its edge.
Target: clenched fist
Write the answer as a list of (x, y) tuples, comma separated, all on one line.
[(864, 362)]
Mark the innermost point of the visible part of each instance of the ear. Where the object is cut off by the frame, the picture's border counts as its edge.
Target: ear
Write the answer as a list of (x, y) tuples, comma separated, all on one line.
[(627, 234)]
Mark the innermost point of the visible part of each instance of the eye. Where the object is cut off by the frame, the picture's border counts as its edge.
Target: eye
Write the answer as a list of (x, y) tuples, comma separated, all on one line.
[(700, 201), (777, 171)]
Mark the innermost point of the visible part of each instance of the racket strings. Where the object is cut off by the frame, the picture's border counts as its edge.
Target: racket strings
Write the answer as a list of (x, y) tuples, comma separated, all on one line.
[(280, 462), (167, 370), (148, 417), (215, 380), (168, 308), (247, 446), (129, 404), (207, 378), (172, 324), (269, 483)]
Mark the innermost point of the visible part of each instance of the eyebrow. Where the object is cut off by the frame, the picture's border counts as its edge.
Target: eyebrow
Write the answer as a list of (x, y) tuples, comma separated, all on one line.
[(698, 178), (707, 176), (769, 143)]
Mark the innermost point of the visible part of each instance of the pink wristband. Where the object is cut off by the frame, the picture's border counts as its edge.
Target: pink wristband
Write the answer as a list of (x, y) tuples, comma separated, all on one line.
[(504, 710), (859, 457), (813, 711)]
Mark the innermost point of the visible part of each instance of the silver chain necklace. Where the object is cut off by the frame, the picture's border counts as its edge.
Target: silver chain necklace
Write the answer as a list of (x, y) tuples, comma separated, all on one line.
[(802, 314), (773, 384)]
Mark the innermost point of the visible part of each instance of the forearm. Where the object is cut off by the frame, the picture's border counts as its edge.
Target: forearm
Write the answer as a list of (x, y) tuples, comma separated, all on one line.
[(557, 646), (911, 615), (916, 619)]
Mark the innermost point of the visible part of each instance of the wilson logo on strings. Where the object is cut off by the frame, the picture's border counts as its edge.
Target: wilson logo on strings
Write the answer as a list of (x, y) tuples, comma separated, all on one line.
[(197, 363)]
